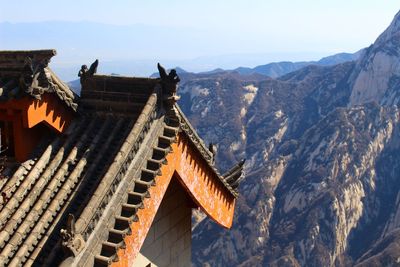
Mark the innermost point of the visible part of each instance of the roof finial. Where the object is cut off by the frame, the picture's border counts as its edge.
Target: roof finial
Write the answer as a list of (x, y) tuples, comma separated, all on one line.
[(34, 78), (235, 175), (213, 149), (84, 72), (71, 240), (169, 83)]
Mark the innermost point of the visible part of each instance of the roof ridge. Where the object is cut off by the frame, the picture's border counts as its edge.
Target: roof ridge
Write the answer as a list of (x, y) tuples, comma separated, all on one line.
[(130, 146), (141, 191)]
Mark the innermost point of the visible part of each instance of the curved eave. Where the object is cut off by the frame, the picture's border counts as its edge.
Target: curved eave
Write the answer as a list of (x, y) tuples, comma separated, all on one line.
[(199, 145), (203, 185)]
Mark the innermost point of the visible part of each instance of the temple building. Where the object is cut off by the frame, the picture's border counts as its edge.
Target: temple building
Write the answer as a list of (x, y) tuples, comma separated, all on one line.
[(107, 178)]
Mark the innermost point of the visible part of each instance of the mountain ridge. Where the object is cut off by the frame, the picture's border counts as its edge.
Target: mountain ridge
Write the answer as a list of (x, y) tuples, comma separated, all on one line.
[(277, 69), (323, 168)]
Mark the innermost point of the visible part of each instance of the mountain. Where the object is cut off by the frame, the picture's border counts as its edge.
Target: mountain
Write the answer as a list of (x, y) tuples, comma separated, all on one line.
[(277, 69), (377, 74), (178, 70), (75, 85), (323, 168)]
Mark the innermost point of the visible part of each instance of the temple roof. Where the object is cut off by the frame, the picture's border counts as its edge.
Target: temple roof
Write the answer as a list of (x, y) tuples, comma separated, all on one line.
[(95, 179), (27, 73)]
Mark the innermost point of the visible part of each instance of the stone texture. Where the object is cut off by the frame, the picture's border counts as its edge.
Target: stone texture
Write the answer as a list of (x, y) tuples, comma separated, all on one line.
[(168, 242)]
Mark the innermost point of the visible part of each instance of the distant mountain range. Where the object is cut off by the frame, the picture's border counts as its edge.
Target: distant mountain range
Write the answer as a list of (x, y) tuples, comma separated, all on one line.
[(277, 69), (273, 70), (323, 163), (131, 50)]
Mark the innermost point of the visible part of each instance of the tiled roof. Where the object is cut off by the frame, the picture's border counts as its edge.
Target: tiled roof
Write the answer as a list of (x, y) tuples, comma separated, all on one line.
[(68, 169), (27, 72), (41, 188), (136, 194), (150, 169), (100, 171)]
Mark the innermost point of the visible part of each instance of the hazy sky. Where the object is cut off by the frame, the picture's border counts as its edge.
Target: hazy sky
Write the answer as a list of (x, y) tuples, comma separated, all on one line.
[(280, 25), (289, 29), (345, 23)]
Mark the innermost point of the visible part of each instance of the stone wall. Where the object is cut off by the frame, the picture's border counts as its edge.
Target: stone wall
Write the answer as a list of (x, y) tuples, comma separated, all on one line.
[(168, 242)]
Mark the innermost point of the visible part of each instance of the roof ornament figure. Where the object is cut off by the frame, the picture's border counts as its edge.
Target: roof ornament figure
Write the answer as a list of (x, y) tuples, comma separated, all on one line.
[(235, 175), (85, 72), (34, 78), (72, 241), (169, 85), (213, 149)]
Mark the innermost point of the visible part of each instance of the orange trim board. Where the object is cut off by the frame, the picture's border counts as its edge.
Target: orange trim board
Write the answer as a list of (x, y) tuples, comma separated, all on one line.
[(202, 184), (49, 109), (27, 112)]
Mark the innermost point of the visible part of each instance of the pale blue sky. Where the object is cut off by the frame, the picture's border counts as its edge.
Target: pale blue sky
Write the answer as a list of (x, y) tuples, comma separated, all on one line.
[(281, 25), (289, 29)]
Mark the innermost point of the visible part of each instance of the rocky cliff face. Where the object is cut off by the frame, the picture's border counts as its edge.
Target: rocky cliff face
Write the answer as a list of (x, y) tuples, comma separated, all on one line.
[(377, 75), (322, 186)]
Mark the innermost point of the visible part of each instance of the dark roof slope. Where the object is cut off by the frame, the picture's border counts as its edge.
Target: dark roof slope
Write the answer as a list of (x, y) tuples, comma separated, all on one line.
[(64, 176), (107, 158)]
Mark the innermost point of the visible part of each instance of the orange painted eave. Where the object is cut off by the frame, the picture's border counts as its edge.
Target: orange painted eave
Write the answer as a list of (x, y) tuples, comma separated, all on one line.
[(50, 109), (26, 112), (203, 185)]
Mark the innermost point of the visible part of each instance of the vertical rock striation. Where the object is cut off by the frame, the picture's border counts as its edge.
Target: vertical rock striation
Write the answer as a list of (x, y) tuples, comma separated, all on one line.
[(323, 169)]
